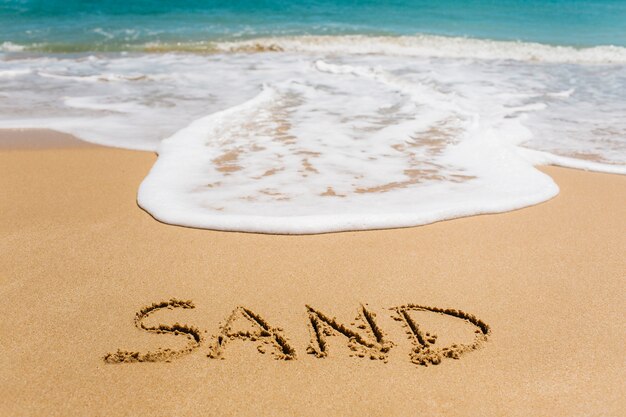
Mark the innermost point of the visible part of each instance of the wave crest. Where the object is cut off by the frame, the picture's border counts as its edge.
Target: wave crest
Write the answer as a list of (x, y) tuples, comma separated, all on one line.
[(11, 47), (414, 46), (429, 46)]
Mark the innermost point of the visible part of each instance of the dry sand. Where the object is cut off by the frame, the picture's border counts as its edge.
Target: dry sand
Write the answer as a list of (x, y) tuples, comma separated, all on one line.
[(80, 259)]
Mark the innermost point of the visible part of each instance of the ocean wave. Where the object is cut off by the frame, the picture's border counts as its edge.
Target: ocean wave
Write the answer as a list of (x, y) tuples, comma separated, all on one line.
[(414, 46), (427, 46), (11, 47)]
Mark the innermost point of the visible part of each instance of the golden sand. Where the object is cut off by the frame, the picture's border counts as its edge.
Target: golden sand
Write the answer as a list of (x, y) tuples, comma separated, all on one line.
[(108, 312)]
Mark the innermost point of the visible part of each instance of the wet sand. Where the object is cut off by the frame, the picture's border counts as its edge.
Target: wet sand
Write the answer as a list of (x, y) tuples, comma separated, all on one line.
[(80, 259)]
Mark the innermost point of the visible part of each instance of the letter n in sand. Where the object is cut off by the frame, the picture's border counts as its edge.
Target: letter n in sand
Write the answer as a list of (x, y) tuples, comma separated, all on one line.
[(372, 344)]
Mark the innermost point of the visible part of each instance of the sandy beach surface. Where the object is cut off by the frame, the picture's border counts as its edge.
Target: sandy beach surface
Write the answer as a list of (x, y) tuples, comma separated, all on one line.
[(80, 259)]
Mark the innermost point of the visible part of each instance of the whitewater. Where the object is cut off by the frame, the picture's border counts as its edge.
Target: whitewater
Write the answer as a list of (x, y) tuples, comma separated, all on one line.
[(313, 134)]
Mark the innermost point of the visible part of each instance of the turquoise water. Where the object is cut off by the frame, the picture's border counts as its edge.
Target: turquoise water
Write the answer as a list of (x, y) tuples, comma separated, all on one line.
[(73, 25)]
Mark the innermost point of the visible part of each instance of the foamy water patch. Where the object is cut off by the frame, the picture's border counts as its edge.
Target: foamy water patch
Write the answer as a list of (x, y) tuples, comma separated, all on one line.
[(311, 158), (123, 101), (293, 142)]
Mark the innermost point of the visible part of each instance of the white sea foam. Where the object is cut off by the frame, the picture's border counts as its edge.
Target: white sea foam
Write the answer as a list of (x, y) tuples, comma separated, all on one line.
[(14, 73), (431, 46), (321, 140), (253, 168), (95, 78), (11, 47)]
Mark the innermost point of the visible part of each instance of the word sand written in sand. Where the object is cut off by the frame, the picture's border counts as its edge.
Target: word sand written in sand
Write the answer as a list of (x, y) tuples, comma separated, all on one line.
[(365, 337)]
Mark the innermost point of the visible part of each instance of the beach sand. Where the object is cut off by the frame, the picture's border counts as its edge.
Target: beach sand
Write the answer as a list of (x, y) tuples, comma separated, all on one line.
[(80, 259)]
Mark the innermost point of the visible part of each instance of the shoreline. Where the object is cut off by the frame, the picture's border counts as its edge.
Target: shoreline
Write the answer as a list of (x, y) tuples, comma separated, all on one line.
[(81, 259), (25, 139)]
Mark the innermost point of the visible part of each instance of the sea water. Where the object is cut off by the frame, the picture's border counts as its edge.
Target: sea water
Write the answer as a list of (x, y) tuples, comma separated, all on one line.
[(307, 117)]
